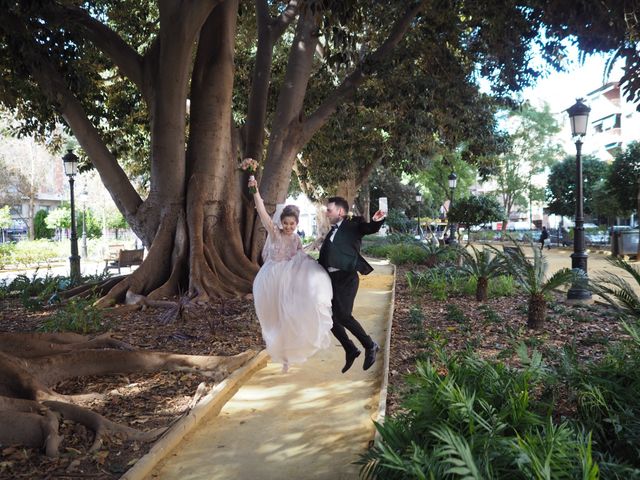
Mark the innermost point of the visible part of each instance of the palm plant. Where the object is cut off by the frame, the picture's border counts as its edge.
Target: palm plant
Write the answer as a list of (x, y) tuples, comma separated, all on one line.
[(531, 276), (483, 265), (617, 291)]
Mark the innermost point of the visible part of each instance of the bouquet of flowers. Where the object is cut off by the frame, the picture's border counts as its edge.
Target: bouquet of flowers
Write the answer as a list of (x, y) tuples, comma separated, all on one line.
[(251, 166)]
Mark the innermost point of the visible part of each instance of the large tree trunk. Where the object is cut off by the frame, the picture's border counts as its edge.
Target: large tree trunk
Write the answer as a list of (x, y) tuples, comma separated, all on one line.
[(203, 237)]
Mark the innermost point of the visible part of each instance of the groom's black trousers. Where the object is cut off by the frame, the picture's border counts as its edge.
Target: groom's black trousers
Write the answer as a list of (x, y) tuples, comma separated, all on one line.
[(345, 287)]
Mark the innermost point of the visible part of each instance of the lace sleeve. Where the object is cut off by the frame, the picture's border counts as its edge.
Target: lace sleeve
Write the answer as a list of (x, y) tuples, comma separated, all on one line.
[(267, 223)]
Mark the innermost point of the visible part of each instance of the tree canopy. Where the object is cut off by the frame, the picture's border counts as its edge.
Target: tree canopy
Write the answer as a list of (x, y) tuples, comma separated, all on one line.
[(624, 178), (164, 98), (561, 185)]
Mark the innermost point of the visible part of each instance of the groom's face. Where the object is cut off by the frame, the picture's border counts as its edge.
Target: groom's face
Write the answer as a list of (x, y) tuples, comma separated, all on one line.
[(334, 213)]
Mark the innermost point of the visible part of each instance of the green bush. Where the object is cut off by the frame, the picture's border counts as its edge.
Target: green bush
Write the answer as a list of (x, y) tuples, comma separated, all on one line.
[(40, 229), (29, 253), (6, 253), (407, 253), (479, 419), (606, 394), (78, 316), (34, 291)]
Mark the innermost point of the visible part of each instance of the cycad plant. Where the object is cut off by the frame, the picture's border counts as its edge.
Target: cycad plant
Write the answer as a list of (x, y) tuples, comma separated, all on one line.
[(474, 419), (531, 276), (617, 291), (483, 265)]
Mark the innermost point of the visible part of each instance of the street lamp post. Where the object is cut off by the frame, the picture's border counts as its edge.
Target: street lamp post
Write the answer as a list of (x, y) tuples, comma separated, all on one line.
[(83, 198), (453, 181), (419, 201), (579, 116), (71, 169)]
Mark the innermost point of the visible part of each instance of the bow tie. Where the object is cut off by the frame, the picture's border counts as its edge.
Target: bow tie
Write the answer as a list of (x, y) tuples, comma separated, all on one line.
[(333, 228)]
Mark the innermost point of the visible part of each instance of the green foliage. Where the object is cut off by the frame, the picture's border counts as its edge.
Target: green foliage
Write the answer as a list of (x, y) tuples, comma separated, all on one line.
[(618, 291), (476, 210), (608, 405), (623, 177), (34, 291), (59, 218), (77, 315), (40, 225), (5, 217), (482, 265), (398, 222), (530, 275), (560, 191), (29, 253), (480, 419), (532, 148), (440, 282), (412, 254)]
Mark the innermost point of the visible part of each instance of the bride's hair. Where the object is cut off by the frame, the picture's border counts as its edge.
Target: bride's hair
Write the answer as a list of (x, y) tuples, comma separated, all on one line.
[(291, 211)]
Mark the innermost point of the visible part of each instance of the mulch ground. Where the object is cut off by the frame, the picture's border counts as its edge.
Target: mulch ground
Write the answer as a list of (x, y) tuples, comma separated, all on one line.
[(144, 401), (420, 326)]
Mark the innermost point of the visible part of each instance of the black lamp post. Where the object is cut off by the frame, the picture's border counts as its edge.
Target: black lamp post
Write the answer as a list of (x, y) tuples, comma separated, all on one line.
[(419, 201), (71, 169), (83, 197), (579, 116), (453, 181)]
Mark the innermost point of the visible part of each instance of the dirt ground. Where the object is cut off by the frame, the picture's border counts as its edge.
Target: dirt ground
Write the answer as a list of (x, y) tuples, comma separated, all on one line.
[(420, 325)]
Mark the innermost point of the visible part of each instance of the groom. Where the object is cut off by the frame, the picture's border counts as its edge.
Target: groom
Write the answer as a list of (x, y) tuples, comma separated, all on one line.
[(340, 256)]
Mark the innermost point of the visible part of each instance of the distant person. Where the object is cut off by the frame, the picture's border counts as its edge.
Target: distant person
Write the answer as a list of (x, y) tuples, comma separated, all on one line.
[(544, 238)]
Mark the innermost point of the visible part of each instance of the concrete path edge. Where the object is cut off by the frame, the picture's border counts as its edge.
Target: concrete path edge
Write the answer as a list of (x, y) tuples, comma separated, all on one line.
[(384, 386), (211, 404)]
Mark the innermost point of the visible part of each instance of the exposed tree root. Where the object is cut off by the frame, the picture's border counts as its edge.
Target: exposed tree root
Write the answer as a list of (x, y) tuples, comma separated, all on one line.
[(31, 364)]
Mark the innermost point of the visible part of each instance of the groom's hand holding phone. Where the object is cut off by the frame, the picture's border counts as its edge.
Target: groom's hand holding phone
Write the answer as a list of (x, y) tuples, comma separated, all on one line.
[(379, 215), (382, 209)]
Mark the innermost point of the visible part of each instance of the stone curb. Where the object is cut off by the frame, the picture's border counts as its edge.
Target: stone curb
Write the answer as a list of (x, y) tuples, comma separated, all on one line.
[(210, 405), (382, 405)]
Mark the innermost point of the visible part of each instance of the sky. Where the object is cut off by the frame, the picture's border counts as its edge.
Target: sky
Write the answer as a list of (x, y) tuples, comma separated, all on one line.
[(560, 90)]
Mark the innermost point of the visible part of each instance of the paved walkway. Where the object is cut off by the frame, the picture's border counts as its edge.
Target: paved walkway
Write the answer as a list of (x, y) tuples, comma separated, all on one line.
[(310, 423), (597, 263)]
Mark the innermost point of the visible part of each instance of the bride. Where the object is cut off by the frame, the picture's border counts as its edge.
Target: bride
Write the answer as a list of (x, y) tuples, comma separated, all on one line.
[(292, 292)]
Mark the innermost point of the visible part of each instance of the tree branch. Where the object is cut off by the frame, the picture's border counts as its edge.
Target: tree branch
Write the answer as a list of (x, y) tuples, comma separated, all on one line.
[(109, 42), (268, 32), (280, 24), (316, 120)]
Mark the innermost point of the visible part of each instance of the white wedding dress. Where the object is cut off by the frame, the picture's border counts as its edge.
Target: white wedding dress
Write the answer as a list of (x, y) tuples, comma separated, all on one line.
[(292, 295)]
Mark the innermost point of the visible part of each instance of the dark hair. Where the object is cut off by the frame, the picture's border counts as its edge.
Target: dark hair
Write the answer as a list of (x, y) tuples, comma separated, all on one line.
[(290, 211), (339, 202)]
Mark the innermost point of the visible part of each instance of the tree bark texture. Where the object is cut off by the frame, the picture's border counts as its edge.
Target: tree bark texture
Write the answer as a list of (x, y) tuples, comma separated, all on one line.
[(198, 222), (537, 314), (32, 364)]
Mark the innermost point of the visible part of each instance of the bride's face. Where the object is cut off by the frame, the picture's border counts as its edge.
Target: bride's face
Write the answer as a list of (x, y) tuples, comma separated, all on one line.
[(289, 225)]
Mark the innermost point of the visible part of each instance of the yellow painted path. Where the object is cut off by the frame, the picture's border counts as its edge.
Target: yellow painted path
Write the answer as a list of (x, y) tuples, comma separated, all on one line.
[(310, 423)]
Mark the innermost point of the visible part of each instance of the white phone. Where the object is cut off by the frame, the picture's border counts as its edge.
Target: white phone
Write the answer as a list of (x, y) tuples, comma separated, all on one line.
[(383, 205)]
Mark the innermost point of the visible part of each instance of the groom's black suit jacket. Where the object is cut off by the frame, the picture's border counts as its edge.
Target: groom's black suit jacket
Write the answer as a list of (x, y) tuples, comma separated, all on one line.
[(344, 252)]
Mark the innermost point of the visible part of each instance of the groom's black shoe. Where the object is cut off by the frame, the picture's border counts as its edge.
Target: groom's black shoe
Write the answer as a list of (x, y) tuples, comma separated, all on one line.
[(370, 356), (351, 357)]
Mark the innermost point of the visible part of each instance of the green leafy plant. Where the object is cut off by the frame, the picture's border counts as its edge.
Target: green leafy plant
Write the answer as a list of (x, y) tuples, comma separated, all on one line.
[(483, 265), (77, 315), (618, 291), (471, 418), (531, 277)]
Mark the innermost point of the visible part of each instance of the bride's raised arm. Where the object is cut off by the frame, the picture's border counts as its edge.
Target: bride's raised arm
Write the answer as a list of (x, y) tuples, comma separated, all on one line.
[(267, 223)]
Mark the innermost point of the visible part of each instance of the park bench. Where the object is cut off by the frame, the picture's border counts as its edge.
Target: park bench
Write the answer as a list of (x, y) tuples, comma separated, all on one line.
[(125, 258)]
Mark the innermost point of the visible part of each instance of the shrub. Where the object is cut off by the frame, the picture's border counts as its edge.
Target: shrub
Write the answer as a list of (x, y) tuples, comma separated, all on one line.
[(29, 253), (478, 419), (40, 229), (78, 316)]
